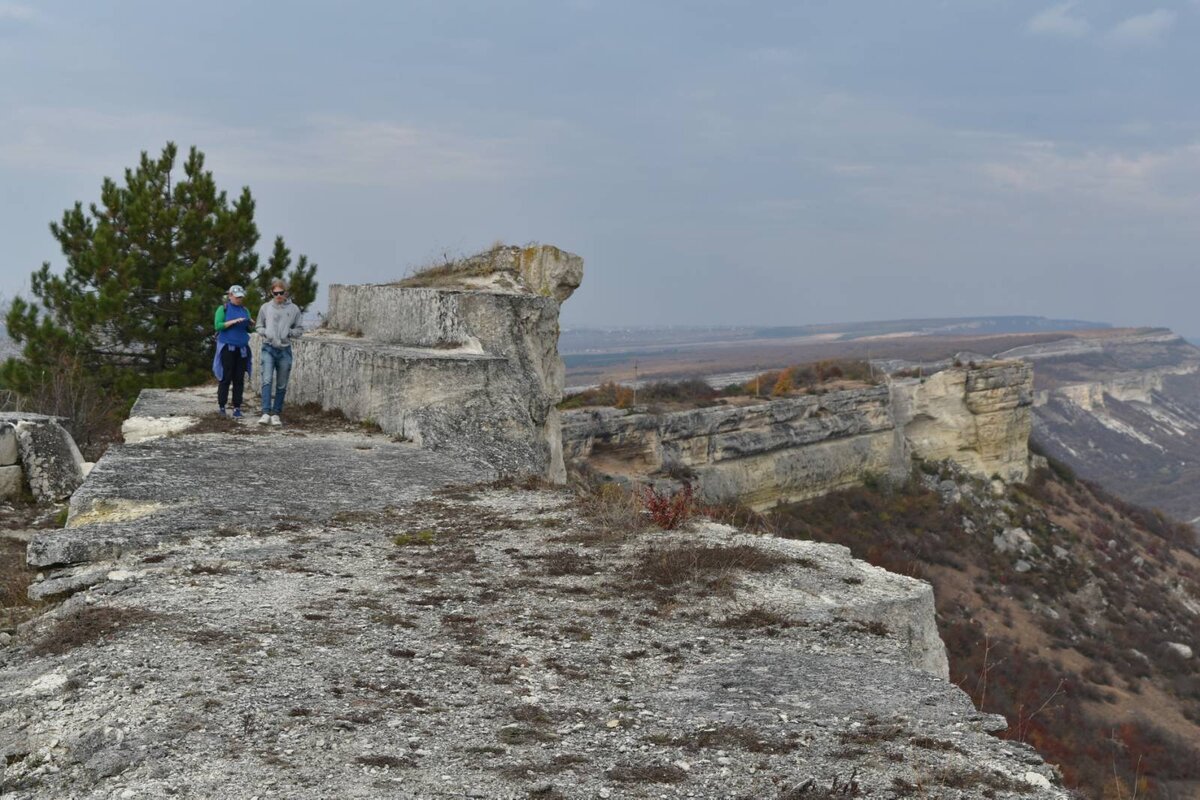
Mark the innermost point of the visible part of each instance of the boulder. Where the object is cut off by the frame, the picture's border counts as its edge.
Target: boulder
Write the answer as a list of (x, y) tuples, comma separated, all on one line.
[(1180, 650), (1014, 540), (53, 465)]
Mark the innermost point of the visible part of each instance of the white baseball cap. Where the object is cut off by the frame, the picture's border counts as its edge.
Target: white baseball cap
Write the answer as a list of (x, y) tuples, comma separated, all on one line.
[(237, 291)]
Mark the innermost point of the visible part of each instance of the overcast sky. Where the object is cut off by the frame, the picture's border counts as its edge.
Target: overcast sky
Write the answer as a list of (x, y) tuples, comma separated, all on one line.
[(713, 161)]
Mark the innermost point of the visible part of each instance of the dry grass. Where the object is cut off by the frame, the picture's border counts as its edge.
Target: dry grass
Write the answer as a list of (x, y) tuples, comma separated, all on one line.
[(612, 511), (731, 737), (15, 577), (757, 617), (647, 773), (713, 567), (568, 562), (87, 625), (447, 272)]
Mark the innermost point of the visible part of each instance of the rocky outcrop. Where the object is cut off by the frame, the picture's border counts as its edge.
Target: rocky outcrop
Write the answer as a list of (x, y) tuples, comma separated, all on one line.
[(780, 451), (474, 371), (1123, 409), (979, 418), (792, 449), (363, 628), (50, 464)]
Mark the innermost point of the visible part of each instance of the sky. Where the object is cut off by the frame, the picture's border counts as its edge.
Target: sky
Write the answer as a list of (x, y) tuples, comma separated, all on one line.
[(714, 162)]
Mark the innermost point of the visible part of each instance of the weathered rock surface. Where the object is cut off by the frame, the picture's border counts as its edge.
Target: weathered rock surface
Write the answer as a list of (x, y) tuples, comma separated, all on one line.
[(785, 450), (539, 269), (8, 446), (158, 412), (468, 371), (382, 637), (52, 465), (165, 490), (793, 449), (979, 418)]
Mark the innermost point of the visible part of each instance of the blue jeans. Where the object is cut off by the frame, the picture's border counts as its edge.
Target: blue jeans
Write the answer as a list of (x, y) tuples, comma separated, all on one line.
[(276, 365)]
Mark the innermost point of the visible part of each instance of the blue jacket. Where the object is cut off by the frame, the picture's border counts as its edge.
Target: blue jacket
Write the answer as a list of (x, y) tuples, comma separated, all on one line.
[(235, 336)]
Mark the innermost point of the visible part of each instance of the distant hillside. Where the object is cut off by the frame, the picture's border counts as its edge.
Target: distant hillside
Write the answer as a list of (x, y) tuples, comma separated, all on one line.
[(593, 340), (1124, 410)]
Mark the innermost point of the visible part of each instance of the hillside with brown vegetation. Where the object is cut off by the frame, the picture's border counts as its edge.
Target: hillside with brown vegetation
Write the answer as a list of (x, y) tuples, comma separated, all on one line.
[(1063, 608)]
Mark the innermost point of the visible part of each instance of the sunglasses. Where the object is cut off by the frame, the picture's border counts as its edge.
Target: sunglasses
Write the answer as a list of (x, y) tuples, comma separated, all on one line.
[(278, 294)]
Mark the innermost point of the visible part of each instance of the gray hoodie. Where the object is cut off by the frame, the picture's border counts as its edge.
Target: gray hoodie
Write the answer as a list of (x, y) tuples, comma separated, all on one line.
[(279, 323)]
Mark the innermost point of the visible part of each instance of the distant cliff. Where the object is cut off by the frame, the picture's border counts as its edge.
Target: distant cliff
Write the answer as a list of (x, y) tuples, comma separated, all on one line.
[(1124, 410), (796, 448)]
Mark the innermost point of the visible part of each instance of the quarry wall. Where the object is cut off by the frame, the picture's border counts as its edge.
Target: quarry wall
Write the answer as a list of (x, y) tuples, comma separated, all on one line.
[(792, 449)]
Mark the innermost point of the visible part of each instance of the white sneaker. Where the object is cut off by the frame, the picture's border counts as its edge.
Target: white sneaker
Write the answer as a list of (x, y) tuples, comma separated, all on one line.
[(264, 419), (275, 420)]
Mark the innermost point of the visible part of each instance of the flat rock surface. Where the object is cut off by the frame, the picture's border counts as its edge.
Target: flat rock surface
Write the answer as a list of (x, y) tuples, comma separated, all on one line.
[(166, 489), (327, 616)]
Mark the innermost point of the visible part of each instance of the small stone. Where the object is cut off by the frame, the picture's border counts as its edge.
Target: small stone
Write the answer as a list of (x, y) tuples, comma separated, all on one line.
[(1181, 650), (1022, 566), (1036, 779), (612, 723), (605, 793), (683, 765)]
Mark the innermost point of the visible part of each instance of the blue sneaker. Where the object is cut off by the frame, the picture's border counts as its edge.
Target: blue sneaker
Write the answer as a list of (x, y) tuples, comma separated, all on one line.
[(221, 411), (237, 413)]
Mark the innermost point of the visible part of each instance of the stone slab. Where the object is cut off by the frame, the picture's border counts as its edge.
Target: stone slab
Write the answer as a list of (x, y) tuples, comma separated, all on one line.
[(155, 492), (8, 446), (12, 481)]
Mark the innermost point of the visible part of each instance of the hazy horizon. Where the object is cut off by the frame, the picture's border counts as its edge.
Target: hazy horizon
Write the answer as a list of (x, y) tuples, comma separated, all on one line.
[(776, 164)]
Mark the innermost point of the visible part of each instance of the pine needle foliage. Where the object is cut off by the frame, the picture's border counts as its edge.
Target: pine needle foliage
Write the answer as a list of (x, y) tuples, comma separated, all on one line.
[(146, 267)]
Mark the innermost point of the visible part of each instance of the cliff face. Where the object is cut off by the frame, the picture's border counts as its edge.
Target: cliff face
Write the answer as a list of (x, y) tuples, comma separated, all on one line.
[(979, 418), (371, 627), (452, 367), (796, 448), (788, 449), (1124, 410)]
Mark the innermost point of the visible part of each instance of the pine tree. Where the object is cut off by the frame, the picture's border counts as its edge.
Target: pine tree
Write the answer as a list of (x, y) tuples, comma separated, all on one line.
[(145, 269)]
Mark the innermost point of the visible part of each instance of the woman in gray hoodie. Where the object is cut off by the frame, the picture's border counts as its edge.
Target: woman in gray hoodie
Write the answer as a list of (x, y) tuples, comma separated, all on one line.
[(278, 324)]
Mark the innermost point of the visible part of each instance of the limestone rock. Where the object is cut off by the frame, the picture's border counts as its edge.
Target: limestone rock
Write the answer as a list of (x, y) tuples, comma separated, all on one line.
[(1014, 540), (52, 464), (12, 481), (549, 271), (538, 269), (784, 450), (1180, 650), (474, 372), (978, 417), (796, 448), (8, 447)]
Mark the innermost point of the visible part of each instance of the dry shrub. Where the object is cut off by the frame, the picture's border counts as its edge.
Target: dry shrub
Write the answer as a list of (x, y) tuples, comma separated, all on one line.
[(669, 511), (87, 625), (732, 737), (15, 577), (568, 562), (92, 414), (647, 773), (757, 617), (673, 568), (613, 509)]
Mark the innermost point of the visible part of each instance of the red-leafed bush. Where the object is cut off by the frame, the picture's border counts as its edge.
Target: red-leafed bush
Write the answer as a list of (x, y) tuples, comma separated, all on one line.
[(668, 511)]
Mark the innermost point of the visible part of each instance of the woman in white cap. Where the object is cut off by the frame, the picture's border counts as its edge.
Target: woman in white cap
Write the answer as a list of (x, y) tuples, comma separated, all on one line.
[(231, 364)]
